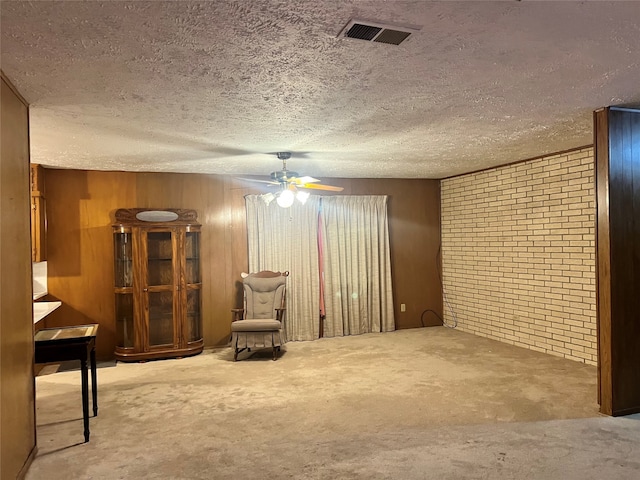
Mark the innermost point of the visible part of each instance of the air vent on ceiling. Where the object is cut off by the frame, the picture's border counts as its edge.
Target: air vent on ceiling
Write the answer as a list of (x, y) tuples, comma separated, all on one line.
[(377, 32)]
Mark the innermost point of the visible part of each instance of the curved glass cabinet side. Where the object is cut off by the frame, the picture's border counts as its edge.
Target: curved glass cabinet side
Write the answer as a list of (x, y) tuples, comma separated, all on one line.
[(123, 258)]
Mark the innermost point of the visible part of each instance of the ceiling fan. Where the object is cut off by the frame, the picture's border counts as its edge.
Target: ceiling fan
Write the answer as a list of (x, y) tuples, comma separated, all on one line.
[(290, 183)]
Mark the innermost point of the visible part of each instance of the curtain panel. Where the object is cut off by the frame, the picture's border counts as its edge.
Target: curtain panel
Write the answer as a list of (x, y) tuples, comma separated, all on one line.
[(286, 239), (357, 265), (356, 262)]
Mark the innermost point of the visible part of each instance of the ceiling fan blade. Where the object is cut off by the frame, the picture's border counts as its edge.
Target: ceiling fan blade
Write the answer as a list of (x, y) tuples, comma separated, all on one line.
[(315, 186), (256, 180), (306, 179)]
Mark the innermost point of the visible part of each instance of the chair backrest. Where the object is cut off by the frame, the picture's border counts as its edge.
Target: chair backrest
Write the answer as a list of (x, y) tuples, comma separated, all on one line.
[(264, 292)]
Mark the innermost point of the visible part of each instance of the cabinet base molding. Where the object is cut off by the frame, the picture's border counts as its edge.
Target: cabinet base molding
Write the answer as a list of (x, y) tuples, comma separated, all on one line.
[(129, 355)]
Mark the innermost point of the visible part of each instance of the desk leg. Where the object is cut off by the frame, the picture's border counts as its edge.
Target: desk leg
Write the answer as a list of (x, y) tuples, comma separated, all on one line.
[(94, 382), (85, 396)]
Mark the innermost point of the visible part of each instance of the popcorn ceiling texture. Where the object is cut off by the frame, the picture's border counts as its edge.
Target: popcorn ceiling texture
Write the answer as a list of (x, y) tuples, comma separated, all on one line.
[(218, 86), (518, 254)]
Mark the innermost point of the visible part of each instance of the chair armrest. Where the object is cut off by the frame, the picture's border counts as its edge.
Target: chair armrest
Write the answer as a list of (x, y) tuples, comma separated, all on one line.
[(280, 313), (238, 314)]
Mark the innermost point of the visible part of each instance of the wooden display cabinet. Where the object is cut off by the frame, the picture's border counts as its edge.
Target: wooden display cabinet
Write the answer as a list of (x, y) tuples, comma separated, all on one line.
[(157, 284)]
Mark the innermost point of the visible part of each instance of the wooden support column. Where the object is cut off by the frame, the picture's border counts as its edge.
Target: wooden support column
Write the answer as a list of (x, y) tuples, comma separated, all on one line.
[(17, 409), (38, 215), (617, 153)]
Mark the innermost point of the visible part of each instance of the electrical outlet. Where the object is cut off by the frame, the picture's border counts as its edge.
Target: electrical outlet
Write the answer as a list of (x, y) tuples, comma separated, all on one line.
[(403, 307)]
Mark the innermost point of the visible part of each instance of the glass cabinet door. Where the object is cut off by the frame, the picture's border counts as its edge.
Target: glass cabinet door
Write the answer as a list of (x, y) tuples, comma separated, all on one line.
[(192, 274), (193, 315), (159, 259), (192, 250), (160, 287), (124, 320), (123, 258), (160, 318), (123, 272)]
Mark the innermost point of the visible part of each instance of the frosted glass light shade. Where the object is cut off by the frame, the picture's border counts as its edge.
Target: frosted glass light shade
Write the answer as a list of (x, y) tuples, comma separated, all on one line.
[(267, 198), (285, 199), (302, 196)]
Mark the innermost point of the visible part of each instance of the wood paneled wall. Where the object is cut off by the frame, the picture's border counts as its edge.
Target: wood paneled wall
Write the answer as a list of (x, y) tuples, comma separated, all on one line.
[(617, 143), (17, 412), (80, 208)]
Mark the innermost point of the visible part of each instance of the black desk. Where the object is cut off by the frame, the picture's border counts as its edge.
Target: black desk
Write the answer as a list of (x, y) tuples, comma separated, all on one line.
[(72, 343)]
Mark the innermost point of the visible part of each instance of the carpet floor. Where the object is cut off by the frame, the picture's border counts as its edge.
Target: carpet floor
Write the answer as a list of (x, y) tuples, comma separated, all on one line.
[(428, 403)]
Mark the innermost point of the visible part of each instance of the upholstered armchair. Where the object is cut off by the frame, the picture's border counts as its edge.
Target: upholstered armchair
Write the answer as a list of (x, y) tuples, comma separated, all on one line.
[(259, 323)]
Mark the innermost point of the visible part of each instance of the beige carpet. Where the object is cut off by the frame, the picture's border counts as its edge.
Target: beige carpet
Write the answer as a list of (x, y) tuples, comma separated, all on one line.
[(429, 403)]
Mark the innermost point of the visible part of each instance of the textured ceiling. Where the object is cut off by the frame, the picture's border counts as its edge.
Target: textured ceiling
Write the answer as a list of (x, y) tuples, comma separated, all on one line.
[(216, 86)]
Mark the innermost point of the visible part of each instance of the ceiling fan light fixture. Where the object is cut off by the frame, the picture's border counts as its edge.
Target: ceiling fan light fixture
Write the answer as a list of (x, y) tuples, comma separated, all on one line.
[(302, 196), (286, 198), (289, 183), (267, 198)]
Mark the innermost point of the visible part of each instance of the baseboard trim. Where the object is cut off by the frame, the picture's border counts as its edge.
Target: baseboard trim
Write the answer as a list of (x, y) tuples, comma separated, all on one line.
[(625, 411), (25, 468)]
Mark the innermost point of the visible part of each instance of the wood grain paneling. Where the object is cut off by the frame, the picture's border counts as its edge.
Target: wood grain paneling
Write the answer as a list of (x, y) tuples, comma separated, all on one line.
[(219, 200), (17, 410), (80, 209), (603, 277), (617, 136), (205, 194)]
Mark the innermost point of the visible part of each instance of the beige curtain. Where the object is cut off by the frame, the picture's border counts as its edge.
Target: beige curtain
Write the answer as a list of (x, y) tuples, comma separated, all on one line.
[(286, 239), (357, 265)]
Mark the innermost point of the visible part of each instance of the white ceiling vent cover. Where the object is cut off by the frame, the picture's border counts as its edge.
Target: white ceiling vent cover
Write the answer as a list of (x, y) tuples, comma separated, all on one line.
[(377, 32)]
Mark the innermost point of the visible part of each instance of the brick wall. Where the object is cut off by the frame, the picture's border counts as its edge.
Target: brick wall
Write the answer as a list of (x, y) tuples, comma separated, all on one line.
[(518, 254)]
